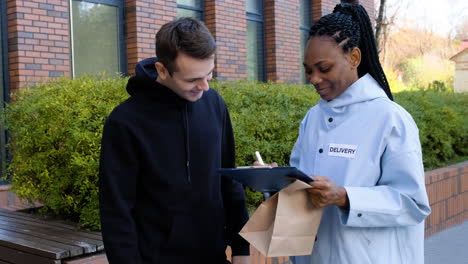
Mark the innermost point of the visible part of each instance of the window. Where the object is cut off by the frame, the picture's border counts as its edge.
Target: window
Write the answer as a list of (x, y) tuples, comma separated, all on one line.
[(255, 40), (97, 37), (190, 8), (305, 10), (4, 90)]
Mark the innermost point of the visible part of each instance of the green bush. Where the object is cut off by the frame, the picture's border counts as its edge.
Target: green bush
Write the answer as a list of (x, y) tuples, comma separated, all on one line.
[(55, 143), (442, 119), (56, 131), (441, 86), (265, 117)]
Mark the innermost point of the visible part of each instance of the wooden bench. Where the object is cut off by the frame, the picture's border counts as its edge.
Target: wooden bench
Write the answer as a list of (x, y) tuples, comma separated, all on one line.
[(29, 239)]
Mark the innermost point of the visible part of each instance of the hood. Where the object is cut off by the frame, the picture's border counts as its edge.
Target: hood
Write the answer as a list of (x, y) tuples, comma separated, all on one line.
[(145, 76), (364, 89)]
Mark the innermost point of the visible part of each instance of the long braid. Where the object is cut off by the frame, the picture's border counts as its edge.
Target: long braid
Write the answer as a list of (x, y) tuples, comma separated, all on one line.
[(350, 26)]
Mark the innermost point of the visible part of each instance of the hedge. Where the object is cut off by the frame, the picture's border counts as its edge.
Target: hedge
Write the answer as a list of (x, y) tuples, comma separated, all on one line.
[(265, 117), (55, 138), (442, 119), (56, 130)]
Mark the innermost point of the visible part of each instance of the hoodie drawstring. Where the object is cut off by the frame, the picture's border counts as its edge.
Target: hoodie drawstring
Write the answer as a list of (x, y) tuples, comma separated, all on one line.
[(187, 147)]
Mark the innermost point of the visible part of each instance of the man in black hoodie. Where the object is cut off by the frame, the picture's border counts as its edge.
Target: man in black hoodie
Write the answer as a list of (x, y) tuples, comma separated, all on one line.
[(162, 200)]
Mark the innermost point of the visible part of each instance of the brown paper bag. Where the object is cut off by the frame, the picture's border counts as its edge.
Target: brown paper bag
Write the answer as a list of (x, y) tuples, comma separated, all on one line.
[(284, 225)]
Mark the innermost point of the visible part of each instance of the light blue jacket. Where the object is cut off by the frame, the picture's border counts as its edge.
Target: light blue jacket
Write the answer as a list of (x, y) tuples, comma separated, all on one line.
[(370, 145)]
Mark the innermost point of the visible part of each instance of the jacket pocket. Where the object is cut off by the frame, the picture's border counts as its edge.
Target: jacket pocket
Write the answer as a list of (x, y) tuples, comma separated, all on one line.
[(383, 245), (353, 245)]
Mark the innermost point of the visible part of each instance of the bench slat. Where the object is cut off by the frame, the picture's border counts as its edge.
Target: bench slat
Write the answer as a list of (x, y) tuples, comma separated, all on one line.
[(66, 233), (48, 234), (32, 239), (38, 246), (10, 255), (49, 223)]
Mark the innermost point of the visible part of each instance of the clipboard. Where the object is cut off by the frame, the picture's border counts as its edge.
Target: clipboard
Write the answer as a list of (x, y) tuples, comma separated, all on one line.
[(266, 179)]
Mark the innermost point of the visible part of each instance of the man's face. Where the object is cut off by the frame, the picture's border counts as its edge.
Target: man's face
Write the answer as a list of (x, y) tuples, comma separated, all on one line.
[(190, 79), (328, 68)]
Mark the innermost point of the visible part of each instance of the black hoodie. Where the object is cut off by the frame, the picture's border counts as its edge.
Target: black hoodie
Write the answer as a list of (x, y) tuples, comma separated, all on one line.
[(161, 198)]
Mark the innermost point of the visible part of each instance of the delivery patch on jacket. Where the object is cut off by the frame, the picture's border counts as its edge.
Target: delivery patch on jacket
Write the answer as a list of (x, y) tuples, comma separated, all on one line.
[(342, 150)]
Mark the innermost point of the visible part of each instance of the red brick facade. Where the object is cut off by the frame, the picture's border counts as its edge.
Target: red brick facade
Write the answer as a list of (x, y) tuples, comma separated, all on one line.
[(143, 20), (39, 39), (447, 189), (227, 22), (323, 7), (282, 41)]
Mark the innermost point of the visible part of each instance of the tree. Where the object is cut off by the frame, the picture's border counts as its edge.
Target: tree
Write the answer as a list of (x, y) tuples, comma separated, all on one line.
[(380, 25), (386, 14), (461, 31)]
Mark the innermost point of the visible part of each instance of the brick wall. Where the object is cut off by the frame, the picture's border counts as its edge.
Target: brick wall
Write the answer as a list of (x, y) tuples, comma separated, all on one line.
[(369, 6), (9, 200), (227, 22), (38, 41), (447, 189), (143, 19), (282, 41), (324, 7)]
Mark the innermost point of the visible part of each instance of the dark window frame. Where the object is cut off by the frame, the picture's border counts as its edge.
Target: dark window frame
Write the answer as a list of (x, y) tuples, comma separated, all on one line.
[(5, 86), (120, 4), (308, 5), (260, 18), (200, 9), (304, 30), (3, 22)]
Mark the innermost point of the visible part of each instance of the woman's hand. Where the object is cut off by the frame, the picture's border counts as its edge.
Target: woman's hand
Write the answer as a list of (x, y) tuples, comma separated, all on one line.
[(325, 192)]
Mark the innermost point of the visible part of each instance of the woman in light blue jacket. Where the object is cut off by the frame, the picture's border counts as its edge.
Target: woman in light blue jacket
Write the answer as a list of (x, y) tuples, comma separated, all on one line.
[(363, 149)]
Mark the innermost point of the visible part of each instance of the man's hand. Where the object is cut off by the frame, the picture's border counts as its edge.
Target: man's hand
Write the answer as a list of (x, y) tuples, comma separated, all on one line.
[(325, 192), (273, 164), (240, 260)]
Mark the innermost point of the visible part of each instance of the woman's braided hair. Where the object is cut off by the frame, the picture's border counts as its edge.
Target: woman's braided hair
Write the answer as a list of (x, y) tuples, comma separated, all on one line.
[(350, 26)]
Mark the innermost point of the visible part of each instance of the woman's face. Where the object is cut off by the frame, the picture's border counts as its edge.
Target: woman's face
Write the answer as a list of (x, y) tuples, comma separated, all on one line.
[(329, 68)]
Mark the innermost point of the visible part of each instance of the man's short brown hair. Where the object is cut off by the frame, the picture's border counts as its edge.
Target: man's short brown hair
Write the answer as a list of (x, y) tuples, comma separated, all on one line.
[(186, 35)]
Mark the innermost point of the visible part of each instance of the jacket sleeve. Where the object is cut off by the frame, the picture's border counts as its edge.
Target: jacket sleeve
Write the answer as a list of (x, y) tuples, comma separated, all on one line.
[(233, 195), (117, 192), (296, 153), (399, 198)]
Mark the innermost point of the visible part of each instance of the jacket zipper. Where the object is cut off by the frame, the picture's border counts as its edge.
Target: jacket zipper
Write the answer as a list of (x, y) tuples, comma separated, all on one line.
[(187, 140)]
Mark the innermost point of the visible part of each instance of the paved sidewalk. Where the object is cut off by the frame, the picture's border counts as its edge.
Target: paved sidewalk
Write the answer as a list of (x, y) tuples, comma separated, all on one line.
[(448, 247)]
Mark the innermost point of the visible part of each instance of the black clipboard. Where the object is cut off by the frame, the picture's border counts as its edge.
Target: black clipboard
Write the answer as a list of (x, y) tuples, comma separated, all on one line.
[(266, 179)]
